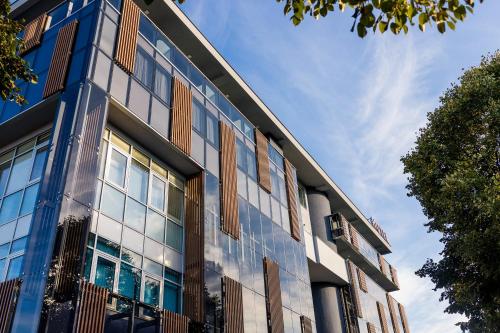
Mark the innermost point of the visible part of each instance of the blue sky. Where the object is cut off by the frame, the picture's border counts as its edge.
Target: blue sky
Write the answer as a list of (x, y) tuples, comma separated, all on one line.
[(355, 105)]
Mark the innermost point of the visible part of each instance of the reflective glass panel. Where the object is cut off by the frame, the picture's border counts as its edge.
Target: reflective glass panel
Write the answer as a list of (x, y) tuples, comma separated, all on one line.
[(20, 172), (4, 176), (15, 268), (155, 226), (117, 168), (138, 182), (175, 198), (171, 296), (4, 250), (10, 207), (135, 215), (151, 291), (112, 202), (130, 282), (29, 199), (19, 245), (37, 170), (108, 247), (105, 273), (174, 235), (158, 193)]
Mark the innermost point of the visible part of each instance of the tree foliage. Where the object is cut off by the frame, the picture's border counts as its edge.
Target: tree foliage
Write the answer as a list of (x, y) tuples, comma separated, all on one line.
[(13, 68), (454, 171), (382, 15)]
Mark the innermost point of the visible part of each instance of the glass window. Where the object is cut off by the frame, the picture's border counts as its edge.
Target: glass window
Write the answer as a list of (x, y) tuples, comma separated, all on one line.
[(241, 157), (172, 275), (135, 215), (15, 268), (58, 14), (105, 273), (88, 264), (4, 250), (117, 168), (19, 245), (212, 134), (108, 247), (171, 297), (113, 202), (158, 193), (152, 267), (175, 198), (36, 171), (162, 84), (164, 46), (155, 226), (29, 199), (20, 172), (129, 282), (115, 3), (143, 69), (198, 117), (4, 176), (147, 29), (131, 257), (174, 235), (10, 207), (138, 182), (151, 291)]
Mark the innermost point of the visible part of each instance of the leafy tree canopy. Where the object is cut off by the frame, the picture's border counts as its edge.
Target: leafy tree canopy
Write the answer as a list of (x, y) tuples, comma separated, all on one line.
[(13, 68), (393, 15), (454, 171)]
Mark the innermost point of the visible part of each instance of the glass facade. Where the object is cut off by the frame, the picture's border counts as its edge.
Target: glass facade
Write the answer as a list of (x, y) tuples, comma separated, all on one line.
[(21, 169), (136, 245)]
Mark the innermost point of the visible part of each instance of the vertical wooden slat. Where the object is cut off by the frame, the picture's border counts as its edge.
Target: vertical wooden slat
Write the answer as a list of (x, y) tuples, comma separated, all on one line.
[(355, 291), (292, 201), (61, 57), (382, 263), (262, 156), (306, 324), (362, 280), (345, 227), (127, 36), (382, 317), (232, 305), (273, 297), (174, 323), (90, 314), (182, 111), (194, 249), (370, 327), (392, 313), (354, 237), (8, 298), (33, 32), (394, 275), (229, 195), (404, 319)]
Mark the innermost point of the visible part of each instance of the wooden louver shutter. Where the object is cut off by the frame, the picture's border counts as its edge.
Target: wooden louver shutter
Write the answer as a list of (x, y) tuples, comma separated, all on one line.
[(229, 195), (182, 112), (194, 249), (262, 155), (33, 32), (8, 294), (382, 263), (392, 313), (173, 322), (91, 310), (127, 36), (306, 324), (292, 201), (61, 57), (232, 295), (362, 280), (355, 291), (273, 297), (371, 328), (354, 237), (345, 226), (394, 275), (382, 317), (404, 319)]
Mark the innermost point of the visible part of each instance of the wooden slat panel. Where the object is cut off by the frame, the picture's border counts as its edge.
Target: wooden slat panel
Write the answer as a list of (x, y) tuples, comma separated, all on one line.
[(354, 290), (382, 317), (306, 324), (404, 319), (292, 201), (383, 264), (61, 57), (91, 310), (392, 313), (229, 196), (394, 275), (182, 112), (354, 237), (273, 297), (194, 250), (174, 323), (262, 156), (344, 224), (232, 305), (33, 32), (127, 36), (370, 327), (362, 280), (8, 297)]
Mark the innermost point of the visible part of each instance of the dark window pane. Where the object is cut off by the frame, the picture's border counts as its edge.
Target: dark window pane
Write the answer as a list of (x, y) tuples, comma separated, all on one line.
[(10, 207), (143, 69), (175, 199), (174, 235), (164, 46), (20, 172), (18, 245), (241, 157), (212, 200), (4, 176), (212, 130), (108, 247), (105, 273), (129, 284), (29, 199), (39, 163), (58, 14), (171, 296), (147, 29), (15, 268), (198, 117), (151, 291), (88, 264), (163, 80)]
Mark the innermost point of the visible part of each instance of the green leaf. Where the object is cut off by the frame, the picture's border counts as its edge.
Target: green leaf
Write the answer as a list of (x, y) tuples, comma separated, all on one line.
[(451, 25), (361, 30), (423, 19), (441, 27), (382, 26)]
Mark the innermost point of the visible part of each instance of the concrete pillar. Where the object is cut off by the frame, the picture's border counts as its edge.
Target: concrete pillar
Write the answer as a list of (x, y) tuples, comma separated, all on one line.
[(327, 308), (319, 209)]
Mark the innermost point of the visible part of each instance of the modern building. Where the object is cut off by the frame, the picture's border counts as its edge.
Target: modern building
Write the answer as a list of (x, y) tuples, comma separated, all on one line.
[(146, 188)]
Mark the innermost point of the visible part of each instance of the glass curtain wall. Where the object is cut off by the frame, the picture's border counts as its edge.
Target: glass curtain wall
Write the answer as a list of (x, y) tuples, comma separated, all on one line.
[(137, 240), (21, 170)]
